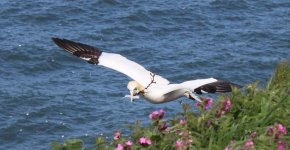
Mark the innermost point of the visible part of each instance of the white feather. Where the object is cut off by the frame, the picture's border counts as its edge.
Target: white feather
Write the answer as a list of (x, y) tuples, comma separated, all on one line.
[(84, 58), (166, 93), (131, 69), (193, 84)]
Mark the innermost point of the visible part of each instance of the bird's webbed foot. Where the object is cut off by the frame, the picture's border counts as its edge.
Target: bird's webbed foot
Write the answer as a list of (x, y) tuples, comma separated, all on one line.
[(192, 96)]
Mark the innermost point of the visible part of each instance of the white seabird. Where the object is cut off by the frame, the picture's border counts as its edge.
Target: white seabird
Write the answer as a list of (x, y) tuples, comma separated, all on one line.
[(152, 87)]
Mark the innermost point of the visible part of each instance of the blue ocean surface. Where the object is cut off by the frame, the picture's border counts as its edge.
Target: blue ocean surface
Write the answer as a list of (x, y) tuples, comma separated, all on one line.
[(47, 94)]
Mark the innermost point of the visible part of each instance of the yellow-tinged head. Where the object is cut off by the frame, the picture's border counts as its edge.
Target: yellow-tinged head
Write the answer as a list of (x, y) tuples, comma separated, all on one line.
[(135, 88)]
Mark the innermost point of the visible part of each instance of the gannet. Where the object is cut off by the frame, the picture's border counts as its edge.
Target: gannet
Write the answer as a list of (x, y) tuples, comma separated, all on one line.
[(150, 86)]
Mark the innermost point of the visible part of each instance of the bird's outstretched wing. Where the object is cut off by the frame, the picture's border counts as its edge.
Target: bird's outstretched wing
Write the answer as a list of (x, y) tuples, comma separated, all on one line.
[(114, 61), (210, 85)]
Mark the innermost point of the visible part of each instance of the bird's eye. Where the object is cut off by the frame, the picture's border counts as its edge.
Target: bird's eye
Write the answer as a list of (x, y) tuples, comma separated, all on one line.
[(136, 91)]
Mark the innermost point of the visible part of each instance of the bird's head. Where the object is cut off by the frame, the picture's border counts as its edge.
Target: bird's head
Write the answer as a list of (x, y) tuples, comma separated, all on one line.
[(135, 89)]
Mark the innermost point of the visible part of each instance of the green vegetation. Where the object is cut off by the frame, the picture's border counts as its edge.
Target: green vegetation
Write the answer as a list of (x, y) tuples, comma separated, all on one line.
[(251, 118)]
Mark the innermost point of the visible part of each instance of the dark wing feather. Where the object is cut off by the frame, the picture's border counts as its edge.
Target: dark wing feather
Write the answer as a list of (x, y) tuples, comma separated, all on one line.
[(218, 86), (89, 53)]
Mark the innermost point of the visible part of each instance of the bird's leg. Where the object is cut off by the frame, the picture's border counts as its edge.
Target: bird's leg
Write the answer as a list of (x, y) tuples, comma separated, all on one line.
[(191, 96), (194, 97)]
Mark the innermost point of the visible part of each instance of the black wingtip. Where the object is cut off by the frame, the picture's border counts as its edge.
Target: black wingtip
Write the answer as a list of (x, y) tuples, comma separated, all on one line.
[(59, 42), (62, 42), (55, 39), (218, 86), (87, 52)]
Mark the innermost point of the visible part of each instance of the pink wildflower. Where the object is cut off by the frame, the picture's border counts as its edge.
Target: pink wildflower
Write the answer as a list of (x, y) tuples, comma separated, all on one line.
[(224, 107), (282, 129), (182, 121), (249, 145), (142, 140), (281, 145), (253, 134), (129, 143), (149, 142), (161, 113), (145, 141), (179, 145), (117, 135), (208, 104), (228, 148), (205, 104), (278, 130), (227, 105), (230, 145), (120, 147), (154, 115), (190, 141)]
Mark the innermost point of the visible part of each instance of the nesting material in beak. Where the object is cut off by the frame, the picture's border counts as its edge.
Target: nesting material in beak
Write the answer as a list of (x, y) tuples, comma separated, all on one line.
[(131, 96)]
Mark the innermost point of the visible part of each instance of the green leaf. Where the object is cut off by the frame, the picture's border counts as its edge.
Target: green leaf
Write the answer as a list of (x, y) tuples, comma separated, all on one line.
[(100, 141), (56, 146), (73, 144)]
